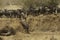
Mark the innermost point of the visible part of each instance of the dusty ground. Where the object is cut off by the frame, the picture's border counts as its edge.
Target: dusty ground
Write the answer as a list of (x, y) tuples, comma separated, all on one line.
[(40, 27), (32, 36)]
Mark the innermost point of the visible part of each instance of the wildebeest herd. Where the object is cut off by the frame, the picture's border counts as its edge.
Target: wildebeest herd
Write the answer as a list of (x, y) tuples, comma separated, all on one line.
[(10, 13), (44, 10), (20, 13), (31, 10)]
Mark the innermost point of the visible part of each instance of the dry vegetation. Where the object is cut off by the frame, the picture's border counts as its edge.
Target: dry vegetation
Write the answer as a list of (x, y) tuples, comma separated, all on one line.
[(40, 27), (44, 22)]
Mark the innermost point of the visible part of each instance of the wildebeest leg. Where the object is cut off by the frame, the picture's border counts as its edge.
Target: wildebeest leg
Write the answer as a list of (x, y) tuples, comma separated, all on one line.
[(12, 15), (25, 26), (1, 14), (27, 30), (18, 16), (15, 15)]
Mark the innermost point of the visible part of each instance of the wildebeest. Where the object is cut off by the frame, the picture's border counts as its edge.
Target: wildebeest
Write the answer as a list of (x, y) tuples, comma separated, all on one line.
[(52, 9), (58, 8), (6, 13), (7, 31), (19, 13), (33, 11), (25, 25), (47, 9), (42, 9)]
